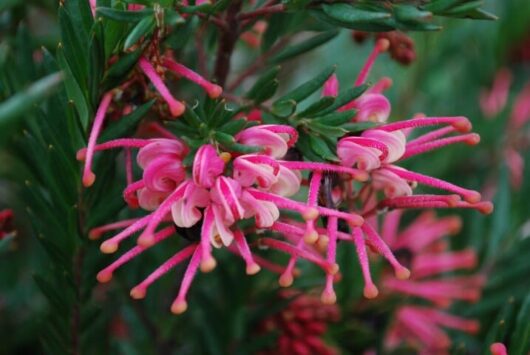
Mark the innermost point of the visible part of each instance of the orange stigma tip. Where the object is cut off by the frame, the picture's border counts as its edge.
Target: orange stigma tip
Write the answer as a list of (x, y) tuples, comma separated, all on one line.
[(452, 200), (104, 277), (179, 307), (473, 139), (370, 292), (296, 272), (253, 269), (322, 243), (215, 91), (137, 293), (285, 280), (403, 273), (81, 154), (177, 110), (333, 269), (108, 247), (485, 207), (88, 179), (310, 214), (311, 237), (463, 125), (225, 156), (361, 176), (473, 197), (357, 221), (94, 235), (328, 297), (145, 241), (208, 265), (383, 44)]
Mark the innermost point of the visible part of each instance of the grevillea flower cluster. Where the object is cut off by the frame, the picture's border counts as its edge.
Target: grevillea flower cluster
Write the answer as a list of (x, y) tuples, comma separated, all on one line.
[(219, 190), (301, 326), (493, 102), (6, 223), (422, 246)]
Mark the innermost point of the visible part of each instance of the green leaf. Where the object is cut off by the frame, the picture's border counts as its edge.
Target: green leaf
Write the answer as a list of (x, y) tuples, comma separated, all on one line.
[(303, 144), (124, 15), (73, 90), (336, 118), (119, 70), (321, 148), (408, 13), (283, 108), (23, 102), (350, 16), (303, 91), (346, 97), (233, 127), (358, 126), (269, 76), (303, 47), (75, 53), (142, 28), (327, 131), (266, 92), (520, 339), (317, 106), (438, 6)]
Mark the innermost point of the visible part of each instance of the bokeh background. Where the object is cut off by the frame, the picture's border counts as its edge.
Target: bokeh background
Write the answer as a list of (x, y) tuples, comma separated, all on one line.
[(451, 69)]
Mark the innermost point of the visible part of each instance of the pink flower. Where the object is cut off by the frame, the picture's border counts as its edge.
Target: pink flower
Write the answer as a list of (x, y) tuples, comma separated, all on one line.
[(6, 223), (185, 212), (494, 100), (421, 246), (275, 139), (498, 349), (207, 166)]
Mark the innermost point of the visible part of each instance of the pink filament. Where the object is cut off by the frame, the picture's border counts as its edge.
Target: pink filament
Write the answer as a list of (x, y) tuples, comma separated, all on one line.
[(471, 139), (207, 223), (214, 91), (139, 290), (460, 123), (323, 167), (329, 294), (180, 302), (427, 137), (117, 143), (243, 248), (290, 249), (157, 216), (105, 274), (111, 245), (95, 233), (88, 175), (282, 202), (379, 47), (129, 194), (425, 265), (175, 107), (370, 290), (384, 250), (469, 195)]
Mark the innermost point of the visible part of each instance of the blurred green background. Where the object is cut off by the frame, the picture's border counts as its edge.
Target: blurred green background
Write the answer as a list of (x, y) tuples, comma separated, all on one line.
[(451, 68)]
